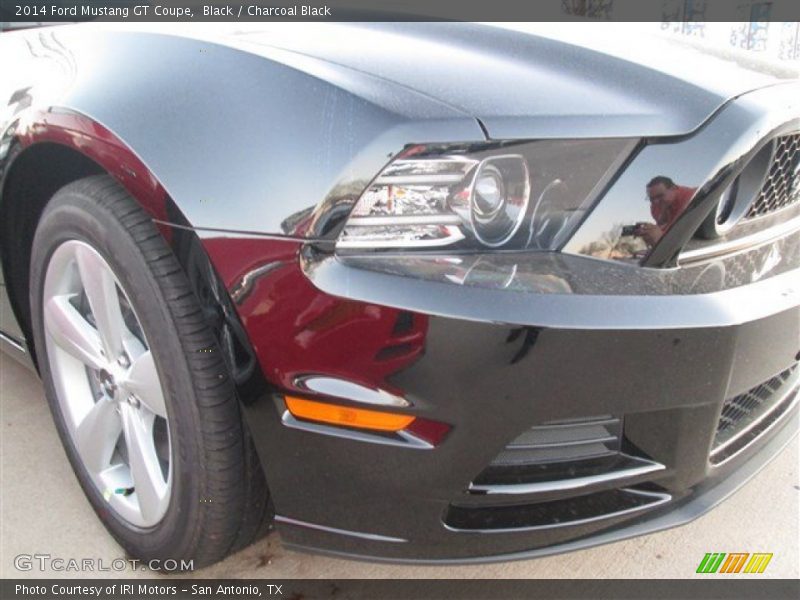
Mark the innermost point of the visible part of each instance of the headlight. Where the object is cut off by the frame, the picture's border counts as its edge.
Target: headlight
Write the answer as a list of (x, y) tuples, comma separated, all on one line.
[(510, 195)]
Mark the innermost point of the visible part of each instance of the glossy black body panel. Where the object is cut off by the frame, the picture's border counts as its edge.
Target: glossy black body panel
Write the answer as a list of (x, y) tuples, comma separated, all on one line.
[(542, 290), (705, 496), (496, 360), (242, 127), (272, 100), (531, 81), (669, 385)]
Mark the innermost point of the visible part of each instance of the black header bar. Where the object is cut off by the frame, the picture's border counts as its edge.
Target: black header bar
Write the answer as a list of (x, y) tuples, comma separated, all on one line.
[(716, 587), (46, 11)]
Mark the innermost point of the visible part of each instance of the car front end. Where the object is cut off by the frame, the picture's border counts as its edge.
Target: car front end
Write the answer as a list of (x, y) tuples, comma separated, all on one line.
[(478, 294), (568, 382)]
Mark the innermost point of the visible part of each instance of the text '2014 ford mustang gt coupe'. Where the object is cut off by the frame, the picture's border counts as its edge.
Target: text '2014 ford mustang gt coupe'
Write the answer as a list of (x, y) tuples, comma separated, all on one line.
[(430, 292)]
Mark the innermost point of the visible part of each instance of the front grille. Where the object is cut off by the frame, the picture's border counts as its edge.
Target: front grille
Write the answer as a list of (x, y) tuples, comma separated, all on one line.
[(781, 188), (746, 416)]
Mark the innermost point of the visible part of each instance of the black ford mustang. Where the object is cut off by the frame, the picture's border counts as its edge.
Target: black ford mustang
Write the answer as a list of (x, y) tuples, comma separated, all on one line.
[(432, 292)]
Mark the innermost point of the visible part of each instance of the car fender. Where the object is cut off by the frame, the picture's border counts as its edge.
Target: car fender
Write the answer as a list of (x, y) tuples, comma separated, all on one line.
[(239, 142)]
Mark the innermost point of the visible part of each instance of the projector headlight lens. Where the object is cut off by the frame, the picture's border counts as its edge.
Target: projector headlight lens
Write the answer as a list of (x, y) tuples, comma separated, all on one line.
[(510, 195), (499, 199)]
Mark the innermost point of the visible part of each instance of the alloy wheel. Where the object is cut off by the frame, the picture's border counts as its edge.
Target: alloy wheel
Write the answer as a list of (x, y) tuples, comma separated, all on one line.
[(107, 384)]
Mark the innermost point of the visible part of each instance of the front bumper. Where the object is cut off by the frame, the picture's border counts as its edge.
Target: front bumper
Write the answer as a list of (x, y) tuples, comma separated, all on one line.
[(703, 497), (351, 494)]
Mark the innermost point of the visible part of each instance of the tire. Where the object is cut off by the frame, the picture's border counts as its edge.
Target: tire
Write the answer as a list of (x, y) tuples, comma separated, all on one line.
[(172, 475)]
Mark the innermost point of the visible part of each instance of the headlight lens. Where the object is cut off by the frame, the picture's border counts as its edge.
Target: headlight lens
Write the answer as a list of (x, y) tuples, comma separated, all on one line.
[(499, 199), (513, 195)]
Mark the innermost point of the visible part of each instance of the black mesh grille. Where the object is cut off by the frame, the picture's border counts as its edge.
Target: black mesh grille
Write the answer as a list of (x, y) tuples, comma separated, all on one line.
[(782, 185), (740, 412)]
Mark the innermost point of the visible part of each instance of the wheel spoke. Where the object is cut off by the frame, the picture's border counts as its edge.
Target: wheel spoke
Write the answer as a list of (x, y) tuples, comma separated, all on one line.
[(101, 291), (97, 435), (149, 485), (72, 332), (143, 382)]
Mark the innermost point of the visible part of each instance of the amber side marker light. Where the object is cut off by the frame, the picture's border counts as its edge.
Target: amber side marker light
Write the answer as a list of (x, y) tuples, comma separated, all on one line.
[(347, 416)]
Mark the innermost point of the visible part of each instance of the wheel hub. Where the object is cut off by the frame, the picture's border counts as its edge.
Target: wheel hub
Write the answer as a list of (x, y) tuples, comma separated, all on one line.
[(108, 384)]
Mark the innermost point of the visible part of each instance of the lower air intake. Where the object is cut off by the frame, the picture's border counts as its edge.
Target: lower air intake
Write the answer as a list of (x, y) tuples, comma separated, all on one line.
[(558, 513), (560, 456), (559, 474)]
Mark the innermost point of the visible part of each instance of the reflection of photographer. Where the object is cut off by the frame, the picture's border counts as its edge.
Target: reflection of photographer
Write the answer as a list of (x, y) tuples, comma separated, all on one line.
[(667, 202)]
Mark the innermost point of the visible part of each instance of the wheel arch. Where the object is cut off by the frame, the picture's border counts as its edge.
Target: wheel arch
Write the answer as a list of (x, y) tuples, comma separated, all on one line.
[(32, 177), (50, 150)]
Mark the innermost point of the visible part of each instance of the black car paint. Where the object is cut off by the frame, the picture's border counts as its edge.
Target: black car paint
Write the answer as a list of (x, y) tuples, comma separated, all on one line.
[(247, 172)]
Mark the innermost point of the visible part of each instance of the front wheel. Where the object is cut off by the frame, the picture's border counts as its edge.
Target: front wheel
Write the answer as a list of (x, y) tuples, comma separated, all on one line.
[(136, 383)]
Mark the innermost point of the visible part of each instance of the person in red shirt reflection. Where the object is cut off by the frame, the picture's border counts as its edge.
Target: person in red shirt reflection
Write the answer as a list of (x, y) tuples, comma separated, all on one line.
[(667, 202)]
